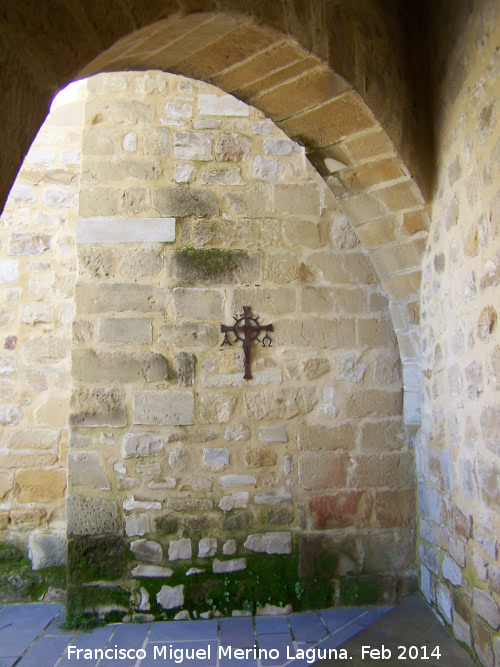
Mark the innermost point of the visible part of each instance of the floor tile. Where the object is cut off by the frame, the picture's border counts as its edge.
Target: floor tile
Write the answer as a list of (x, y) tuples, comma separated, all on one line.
[(160, 654), (271, 625), (45, 651), (372, 615), (337, 618), (307, 627), (183, 630), (277, 647), (237, 632)]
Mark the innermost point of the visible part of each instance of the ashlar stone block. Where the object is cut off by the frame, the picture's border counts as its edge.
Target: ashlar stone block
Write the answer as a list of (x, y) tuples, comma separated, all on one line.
[(197, 303), (124, 330), (125, 230), (174, 408), (85, 469)]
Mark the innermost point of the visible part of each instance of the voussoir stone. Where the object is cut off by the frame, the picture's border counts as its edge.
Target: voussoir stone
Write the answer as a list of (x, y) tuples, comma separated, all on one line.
[(270, 543)]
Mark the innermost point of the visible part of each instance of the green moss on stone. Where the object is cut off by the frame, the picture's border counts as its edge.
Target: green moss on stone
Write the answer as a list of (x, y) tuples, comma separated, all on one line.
[(209, 262), (95, 557)]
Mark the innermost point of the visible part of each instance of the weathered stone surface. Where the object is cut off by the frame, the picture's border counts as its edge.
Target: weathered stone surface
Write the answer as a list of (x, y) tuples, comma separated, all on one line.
[(47, 549), (193, 146), (189, 504), (131, 504), (163, 407), (181, 202), (120, 298), (151, 571), (487, 608), (85, 469), (197, 303), (321, 470), (374, 403), (142, 262), (226, 566), (237, 480), (316, 437), (239, 433), (36, 438), (270, 543), (238, 500), (146, 550), (124, 330), (46, 350), (98, 407), (451, 571), (141, 444), (273, 433), (279, 404), (346, 508), (381, 556), (259, 456), (382, 435), (136, 524), (316, 367), (215, 459), (185, 364), (189, 334), (234, 522), (179, 550), (178, 459), (217, 408), (171, 597), (221, 105), (229, 176), (233, 147), (91, 516), (229, 548), (207, 547), (272, 498)]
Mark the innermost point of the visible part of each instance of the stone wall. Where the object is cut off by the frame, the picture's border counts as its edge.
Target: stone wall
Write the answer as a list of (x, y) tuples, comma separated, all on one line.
[(37, 272), (193, 205), (458, 454)]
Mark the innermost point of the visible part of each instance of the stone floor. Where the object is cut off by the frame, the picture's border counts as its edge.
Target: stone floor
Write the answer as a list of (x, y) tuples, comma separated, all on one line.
[(30, 636)]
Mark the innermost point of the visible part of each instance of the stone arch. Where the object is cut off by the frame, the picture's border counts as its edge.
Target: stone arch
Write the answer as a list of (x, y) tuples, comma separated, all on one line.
[(324, 73)]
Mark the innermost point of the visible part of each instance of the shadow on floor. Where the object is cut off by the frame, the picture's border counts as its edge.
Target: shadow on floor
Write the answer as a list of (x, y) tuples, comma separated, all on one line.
[(410, 624)]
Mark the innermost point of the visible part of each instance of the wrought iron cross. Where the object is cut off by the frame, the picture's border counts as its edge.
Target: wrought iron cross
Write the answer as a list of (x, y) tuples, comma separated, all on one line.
[(247, 330)]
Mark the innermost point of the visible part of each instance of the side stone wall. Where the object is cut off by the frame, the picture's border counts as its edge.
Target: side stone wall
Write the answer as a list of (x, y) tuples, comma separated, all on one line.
[(193, 205), (458, 455), (37, 276)]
